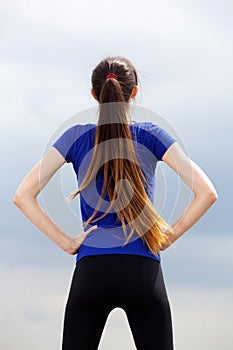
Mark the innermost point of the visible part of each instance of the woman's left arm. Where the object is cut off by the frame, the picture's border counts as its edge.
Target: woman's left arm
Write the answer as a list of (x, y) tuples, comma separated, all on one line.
[(204, 192), (26, 200)]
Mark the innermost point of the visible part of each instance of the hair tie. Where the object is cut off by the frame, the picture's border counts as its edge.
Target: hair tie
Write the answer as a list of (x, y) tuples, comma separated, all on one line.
[(111, 75)]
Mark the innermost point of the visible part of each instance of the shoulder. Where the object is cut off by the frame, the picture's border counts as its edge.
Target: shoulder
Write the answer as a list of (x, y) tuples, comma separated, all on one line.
[(155, 138), (149, 128), (77, 130), (146, 125)]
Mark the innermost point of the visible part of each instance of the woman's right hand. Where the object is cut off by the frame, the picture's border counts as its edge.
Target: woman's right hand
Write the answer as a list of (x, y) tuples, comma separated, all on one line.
[(75, 243), (172, 237), (198, 182)]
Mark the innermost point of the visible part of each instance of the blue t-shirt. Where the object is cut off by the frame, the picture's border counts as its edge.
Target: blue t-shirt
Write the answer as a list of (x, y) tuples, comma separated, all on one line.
[(76, 145)]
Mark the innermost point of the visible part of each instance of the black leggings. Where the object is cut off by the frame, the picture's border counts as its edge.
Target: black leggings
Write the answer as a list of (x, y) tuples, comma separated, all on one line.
[(132, 282)]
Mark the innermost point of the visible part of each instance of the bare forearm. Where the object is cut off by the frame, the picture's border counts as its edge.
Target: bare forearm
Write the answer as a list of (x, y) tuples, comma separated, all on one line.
[(196, 209), (35, 213)]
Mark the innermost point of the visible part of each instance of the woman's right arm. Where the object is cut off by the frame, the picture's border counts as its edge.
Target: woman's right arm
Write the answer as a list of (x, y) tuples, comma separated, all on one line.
[(204, 192)]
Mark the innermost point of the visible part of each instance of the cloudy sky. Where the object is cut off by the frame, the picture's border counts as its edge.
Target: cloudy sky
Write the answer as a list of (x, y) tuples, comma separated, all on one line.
[(183, 53)]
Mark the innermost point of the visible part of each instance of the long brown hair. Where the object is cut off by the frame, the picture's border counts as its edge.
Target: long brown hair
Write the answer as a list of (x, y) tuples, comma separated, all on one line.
[(130, 202)]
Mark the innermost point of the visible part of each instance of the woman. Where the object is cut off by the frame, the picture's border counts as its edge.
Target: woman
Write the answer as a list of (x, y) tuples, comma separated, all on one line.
[(118, 256)]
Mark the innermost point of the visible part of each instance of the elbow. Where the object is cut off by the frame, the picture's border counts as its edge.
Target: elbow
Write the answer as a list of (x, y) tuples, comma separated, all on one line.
[(211, 196), (17, 199), (23, 197)]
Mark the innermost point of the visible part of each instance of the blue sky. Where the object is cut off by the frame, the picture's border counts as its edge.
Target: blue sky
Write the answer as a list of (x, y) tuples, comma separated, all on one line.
[(183, 53)]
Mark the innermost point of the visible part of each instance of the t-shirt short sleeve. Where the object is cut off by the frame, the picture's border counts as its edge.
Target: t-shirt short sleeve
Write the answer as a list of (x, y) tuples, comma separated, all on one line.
[(160, 140), (64, 144)]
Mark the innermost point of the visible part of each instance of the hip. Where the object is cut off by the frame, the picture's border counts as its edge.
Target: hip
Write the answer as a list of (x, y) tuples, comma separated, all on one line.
[(117, 276)]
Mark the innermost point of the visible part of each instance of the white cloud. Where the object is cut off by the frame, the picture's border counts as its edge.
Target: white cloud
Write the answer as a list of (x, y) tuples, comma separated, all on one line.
[(31, 307), (202, 317), (39, 91), (77, 17), (215, 13)]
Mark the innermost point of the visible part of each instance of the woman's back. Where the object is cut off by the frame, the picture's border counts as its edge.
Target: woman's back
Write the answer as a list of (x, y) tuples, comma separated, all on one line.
[(76, 145)]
